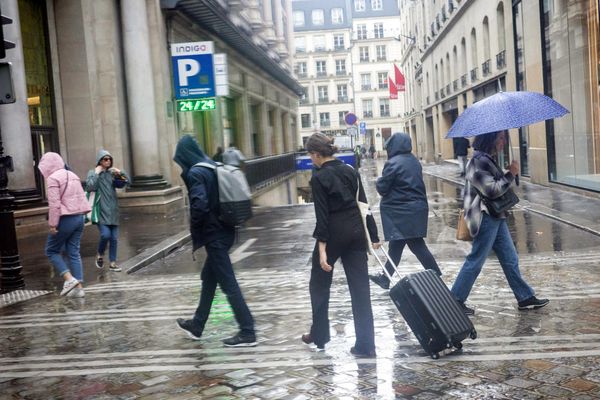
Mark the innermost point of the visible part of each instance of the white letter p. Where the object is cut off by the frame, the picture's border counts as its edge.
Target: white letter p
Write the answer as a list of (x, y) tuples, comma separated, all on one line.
[(187, 68)]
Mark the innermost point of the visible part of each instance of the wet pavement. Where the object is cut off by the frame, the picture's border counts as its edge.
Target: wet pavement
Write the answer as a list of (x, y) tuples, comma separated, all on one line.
[(120, 341)]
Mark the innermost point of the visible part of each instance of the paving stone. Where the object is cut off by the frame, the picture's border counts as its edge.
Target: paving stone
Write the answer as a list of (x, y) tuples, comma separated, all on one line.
[(217, 390), (580, 385), (539, 365), (157, 380), (522, 383), (554, 391)]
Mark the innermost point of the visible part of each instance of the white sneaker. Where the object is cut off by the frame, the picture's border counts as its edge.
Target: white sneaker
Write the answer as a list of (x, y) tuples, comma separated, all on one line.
[(114, 267), (77, 293), (68, 286)]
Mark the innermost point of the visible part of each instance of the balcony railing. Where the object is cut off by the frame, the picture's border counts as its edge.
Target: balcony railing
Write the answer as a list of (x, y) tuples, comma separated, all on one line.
[(365, 87), (455, 85), (302, 75), (368, 114), (383, 85), (501, 59), (442, 93), (323, 100), (448, 91), (265, 171), (474, 75), (436, 95), (385, 113), (343, 99), (325, 122), (303, 101), (341, 72), (485, 67), (381, 58), (339, 48), (463, 80), (321, 74)]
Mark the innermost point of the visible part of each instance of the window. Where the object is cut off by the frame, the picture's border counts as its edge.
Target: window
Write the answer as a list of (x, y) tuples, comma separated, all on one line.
[(338, 42), (319, 42), (342, 92), (367, 106), (304, 97), (298, 18), (384, 107), (378, 30), (380, 53), (318, 17), (324, 119), (337, 16), (340, 67), (361, 31), (300, 44), (300, 69), (323, 95), (382, 80), (305, 118), (376, 4), (321, 68), (365, 81), (359, 5), (364, 53), (341, 117)]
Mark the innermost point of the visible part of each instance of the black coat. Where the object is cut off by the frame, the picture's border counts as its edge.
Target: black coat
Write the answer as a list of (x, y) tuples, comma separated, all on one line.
[(203, 194), (403, 207), (461, 146)]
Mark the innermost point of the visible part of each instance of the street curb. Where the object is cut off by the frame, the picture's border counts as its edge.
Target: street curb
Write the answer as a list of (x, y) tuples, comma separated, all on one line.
[(527, 207), (156, 252)]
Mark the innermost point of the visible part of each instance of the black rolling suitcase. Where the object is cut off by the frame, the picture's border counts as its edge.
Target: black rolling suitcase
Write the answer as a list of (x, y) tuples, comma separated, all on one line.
[(430, 310)]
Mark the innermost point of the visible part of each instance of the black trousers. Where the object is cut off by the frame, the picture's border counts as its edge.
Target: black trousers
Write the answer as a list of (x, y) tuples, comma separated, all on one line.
[(348, 243), (419, 249), (218, 270)]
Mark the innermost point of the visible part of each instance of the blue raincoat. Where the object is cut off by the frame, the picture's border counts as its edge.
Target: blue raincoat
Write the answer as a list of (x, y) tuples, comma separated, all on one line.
[(404, 209)]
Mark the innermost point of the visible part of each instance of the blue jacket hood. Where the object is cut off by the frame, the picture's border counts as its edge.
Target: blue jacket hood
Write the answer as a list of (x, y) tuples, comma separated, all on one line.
[(188, 154), (398, 143)]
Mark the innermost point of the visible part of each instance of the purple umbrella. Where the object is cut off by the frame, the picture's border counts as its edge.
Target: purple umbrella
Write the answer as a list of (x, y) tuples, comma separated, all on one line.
[(505, 110)]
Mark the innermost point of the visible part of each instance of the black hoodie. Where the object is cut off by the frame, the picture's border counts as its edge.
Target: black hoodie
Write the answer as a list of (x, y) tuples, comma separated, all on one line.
[(203, 193)]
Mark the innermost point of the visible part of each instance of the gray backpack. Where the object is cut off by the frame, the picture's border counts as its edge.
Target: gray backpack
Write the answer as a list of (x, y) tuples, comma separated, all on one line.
[(235, 204)]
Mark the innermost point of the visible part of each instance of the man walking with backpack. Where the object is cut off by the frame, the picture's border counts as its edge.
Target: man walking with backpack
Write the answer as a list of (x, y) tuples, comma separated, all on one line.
[(217, 238)]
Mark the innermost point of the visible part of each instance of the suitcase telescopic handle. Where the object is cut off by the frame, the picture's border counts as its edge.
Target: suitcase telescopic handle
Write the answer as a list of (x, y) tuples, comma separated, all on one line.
[(388, 258)]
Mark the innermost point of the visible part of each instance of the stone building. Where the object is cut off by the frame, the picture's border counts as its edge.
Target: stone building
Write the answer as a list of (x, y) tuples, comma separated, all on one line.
[(464, 51), (344, 52), (97, 74)]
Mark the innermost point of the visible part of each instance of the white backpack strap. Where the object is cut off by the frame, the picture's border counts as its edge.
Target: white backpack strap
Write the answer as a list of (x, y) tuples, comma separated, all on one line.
[(205, 164)]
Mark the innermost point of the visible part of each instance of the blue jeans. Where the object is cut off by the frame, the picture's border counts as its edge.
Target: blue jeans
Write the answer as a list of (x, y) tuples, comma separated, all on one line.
[(493, 234), (218, 270), (108, 233), (70, 229)]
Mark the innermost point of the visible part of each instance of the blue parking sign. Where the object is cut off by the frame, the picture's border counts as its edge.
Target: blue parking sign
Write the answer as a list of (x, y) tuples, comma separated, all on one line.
[(363, 127), (193, 70)]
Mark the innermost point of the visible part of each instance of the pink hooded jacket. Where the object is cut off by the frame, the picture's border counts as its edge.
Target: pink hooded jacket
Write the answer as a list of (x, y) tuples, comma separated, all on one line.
[(65, 193)]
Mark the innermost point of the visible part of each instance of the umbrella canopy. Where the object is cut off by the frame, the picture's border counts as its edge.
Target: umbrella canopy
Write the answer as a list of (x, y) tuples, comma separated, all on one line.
[(505, 110)]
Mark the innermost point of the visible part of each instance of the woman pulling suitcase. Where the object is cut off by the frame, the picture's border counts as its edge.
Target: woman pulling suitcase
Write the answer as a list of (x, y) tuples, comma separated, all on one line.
[(340, 234)]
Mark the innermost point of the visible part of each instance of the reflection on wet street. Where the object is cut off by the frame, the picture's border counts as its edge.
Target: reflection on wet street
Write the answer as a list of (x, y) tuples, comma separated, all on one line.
[(121, 340)]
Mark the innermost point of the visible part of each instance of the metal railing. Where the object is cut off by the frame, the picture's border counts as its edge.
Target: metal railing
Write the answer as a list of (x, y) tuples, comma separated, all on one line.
[(485, 67), (463, 80), (368, 114), (448, 90), (321, 74), (474, 74), (455, 85), (442, 93), (341, 72), (264, 171), (323, 100), (501, 59)]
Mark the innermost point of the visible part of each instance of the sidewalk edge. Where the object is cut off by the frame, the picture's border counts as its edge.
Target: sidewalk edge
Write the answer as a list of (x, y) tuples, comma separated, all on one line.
[(156, 252)]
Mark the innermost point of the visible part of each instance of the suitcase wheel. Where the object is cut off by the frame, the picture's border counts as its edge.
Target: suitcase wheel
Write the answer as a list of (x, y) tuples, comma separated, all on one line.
[(435, 356), (473, 334)]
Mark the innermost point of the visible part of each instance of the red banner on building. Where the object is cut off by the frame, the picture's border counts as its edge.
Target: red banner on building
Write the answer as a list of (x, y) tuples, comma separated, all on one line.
[(393, 90), (400, 84)]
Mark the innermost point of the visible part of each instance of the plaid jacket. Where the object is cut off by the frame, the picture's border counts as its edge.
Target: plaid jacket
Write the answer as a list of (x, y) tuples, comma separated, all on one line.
[(484, 175)]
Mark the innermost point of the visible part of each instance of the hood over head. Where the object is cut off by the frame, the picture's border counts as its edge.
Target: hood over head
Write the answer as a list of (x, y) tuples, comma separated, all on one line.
[(398, 143), (188, 153), (50, 163), (100, 156)]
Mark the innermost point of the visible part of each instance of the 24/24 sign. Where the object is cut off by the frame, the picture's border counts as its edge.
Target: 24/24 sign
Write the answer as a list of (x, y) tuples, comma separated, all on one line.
[(193, 70), (196, 105)]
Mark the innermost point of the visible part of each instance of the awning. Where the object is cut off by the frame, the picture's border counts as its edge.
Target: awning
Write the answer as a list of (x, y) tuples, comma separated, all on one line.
[(214, 17)]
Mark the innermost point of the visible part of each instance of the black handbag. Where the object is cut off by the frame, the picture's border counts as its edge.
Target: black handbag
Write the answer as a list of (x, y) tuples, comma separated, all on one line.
[(500, 204)]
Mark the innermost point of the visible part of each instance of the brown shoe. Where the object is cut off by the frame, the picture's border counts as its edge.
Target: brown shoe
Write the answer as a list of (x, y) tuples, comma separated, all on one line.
[(306, 338)]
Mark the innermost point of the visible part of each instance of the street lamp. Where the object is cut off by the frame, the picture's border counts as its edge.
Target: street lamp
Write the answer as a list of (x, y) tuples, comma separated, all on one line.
[(412, 39)]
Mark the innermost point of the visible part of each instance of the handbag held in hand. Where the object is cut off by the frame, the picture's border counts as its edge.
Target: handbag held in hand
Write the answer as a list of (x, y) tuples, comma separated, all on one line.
[(462, 229)]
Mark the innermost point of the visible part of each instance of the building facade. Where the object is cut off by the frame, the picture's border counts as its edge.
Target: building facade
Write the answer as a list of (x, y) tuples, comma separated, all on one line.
[(467, 50), (344, 53), (91, 75)]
